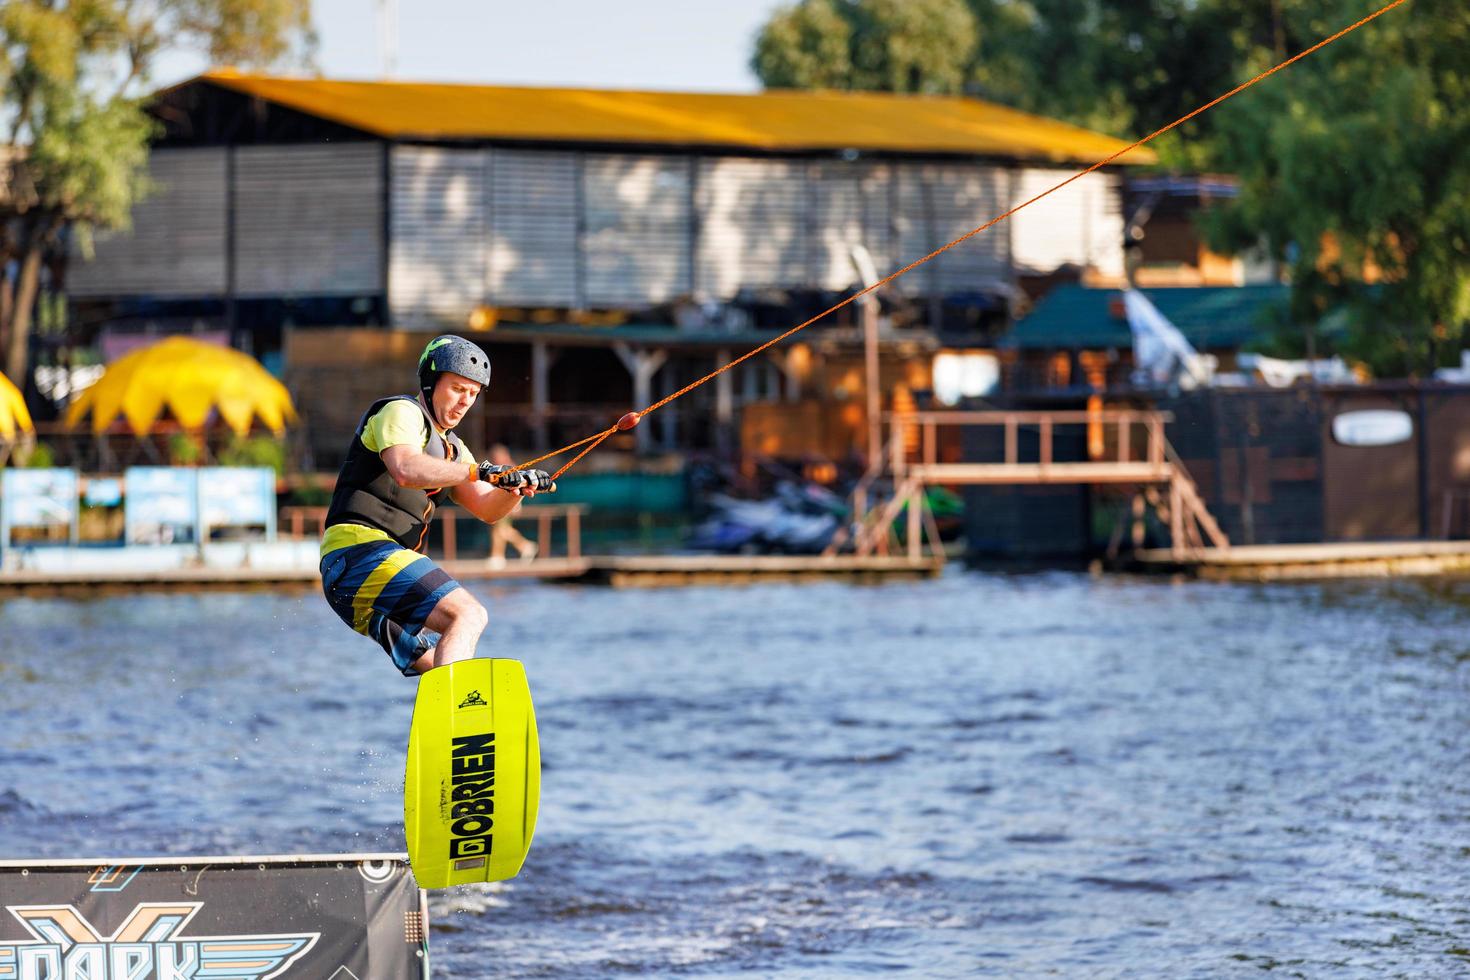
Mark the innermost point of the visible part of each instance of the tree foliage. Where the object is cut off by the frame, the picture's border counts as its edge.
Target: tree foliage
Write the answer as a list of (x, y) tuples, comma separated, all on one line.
[(1354, 172), (1120, 68), (72, 74), (807, 46), (921, 46), (1124, 69), (1353, 167)]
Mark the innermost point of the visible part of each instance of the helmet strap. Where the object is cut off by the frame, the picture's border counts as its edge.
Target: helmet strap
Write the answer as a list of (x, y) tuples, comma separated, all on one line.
[(427, 394)]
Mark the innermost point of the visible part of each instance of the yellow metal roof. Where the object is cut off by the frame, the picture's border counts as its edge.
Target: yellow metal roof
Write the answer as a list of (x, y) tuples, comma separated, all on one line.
[(770, 121)]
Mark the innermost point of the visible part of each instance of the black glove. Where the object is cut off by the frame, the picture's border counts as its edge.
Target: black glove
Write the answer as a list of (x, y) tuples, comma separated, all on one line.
[(510, 478), (489, 471), (538, 480)]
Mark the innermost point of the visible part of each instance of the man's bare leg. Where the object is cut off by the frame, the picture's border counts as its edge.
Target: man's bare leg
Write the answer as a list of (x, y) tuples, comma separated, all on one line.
[(520, 542), (459, 619)]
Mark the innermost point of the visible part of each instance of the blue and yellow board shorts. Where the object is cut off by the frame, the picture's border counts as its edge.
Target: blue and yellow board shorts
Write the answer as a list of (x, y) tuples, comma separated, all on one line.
[(385, 592)]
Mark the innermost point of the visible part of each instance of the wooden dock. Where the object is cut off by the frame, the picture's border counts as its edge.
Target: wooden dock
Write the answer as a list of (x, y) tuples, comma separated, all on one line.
[(660, 570), (1300, 562), (114, 581), (559, 568), (617, 571)]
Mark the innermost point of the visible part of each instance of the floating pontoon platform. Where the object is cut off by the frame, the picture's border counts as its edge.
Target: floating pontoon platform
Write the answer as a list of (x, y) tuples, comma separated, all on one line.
[(121, 574), (1287, 562)]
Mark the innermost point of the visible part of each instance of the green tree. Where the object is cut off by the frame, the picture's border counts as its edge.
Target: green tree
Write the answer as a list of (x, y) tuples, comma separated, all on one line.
[(1354, 173), (806, 46), (1097, 63), (72, 74), (920, 46), (1352, 161), (1124, 69)]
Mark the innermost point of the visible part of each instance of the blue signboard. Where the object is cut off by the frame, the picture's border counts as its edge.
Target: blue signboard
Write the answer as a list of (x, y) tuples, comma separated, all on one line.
[(37, 498), (102, 491), (231, 496), (161, 505)]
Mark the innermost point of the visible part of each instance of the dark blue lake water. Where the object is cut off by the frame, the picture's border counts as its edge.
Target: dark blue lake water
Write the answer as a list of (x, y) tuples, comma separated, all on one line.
[(979, 776)]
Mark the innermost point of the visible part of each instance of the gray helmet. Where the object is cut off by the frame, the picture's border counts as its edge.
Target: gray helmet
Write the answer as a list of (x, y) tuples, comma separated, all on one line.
[(451, 355)]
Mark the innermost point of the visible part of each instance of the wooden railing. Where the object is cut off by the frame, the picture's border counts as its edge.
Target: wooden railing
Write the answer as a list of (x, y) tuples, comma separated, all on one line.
[(1124, 423), (1125, 447), (303, 522), (859, 527)]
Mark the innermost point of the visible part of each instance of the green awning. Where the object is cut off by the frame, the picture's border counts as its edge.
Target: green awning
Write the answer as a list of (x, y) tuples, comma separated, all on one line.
[(1074, 317)]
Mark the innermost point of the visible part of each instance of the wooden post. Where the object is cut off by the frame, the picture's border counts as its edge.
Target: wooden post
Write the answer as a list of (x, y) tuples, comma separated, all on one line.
[(1045, 441), (1011, 440), (1125, 451), (1155, 440), (916, 504), (574, 532), (1176, 519), (895, 447), (449, 541), (931, 528), (869, 314), (930, 443), (642, 365), (724, 401), (541, 361), (790, 379)]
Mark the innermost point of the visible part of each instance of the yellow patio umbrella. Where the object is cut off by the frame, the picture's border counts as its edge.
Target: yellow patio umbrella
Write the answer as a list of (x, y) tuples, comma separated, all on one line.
[(189, 378), (13, 413)]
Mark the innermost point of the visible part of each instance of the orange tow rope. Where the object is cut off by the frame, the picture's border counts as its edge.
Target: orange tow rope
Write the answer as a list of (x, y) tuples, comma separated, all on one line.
[(632, 418)]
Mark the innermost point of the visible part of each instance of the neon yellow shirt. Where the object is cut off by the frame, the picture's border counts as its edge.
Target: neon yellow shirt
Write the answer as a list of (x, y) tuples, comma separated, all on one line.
[(398, 423)]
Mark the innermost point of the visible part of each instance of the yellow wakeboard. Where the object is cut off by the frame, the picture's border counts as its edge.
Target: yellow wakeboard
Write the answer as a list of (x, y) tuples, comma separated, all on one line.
[(474, 774)]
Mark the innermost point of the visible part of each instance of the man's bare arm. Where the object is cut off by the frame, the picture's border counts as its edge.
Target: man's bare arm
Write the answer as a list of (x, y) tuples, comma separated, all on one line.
[(487, 502), (417, 470)]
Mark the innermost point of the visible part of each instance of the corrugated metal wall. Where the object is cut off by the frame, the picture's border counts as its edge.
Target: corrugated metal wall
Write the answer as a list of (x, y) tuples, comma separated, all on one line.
[(1372, 492), (937, 203), (439, 248), (851, 205), (1026, 522), (752, 224), (637, 220), (1257, 459), (625, 230), (309, 220), (569, 229), (176, 246), (533, 226), (1081, 224)]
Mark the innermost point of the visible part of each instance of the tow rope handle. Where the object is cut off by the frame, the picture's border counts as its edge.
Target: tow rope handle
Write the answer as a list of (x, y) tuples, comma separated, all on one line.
[(495, 482)]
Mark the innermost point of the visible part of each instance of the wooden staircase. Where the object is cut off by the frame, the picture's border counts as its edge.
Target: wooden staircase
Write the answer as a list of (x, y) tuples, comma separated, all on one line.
[(1157, 471)]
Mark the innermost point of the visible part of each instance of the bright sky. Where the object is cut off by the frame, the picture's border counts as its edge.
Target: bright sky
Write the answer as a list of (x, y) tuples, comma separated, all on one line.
[(686, 45)]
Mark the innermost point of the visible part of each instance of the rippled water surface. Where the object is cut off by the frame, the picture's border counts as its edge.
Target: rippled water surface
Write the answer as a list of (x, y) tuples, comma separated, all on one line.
[(984, 775)]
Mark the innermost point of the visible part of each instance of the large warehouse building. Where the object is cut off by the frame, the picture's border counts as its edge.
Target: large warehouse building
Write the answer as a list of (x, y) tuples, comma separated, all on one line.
[(285, 203), (429, 201)]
